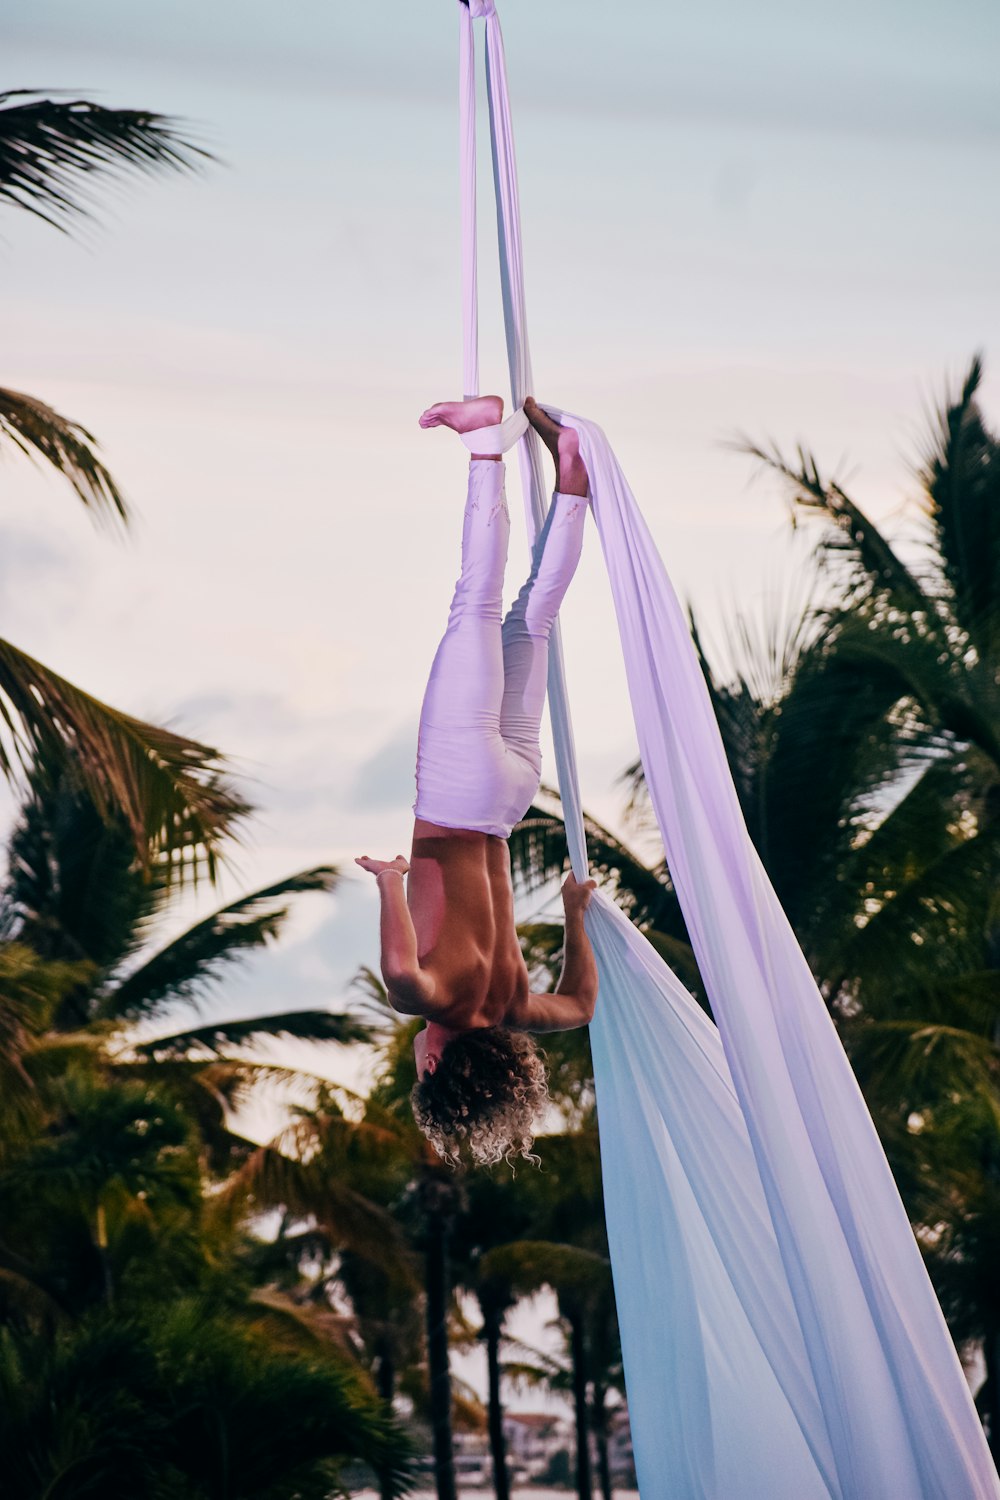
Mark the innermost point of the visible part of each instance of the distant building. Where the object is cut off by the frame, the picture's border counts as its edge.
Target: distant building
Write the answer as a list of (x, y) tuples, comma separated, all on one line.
[(538, 1444), (533, 1437), (621, 1460)]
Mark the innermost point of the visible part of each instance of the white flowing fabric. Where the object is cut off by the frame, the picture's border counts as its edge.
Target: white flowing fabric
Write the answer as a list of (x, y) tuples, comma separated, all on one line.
[(781, 1338)]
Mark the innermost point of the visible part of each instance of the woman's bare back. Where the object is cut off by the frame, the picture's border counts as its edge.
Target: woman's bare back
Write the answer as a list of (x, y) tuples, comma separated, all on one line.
[(462, 904)]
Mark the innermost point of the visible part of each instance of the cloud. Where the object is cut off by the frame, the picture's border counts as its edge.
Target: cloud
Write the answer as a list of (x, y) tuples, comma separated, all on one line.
[(386, 778), (309, 971), (39, 580)]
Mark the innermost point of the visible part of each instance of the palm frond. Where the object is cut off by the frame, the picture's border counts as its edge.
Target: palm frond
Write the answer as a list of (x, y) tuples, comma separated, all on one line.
[(23, 1299), (375, 1003), (955, 696), (30, 991), (932, 925), (536, 1361), (961, 477), (271, 1179), (916, 1065), (765, 659), (231, 1081), (538, 854), (51, 147), (911, 833), (306, 1324), (968, 1000), (531, 1264), (190, 963), (39, 432), (168, 788), (541, 947), (872, 564), (837, 746), (789, 706), (304, 1025), (73, 887)]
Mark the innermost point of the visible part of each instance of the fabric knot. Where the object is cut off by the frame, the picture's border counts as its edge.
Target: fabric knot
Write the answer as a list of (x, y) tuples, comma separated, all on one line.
[(481, 9)]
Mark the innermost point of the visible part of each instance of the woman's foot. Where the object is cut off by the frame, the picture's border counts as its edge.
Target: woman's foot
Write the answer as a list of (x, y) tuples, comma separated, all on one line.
[(564, 445), (465, 416)]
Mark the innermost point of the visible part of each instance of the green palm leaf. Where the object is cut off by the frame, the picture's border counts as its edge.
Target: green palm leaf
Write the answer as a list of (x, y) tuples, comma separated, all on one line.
[(51, 147), (191, 962), (530, 1264), (73, 888), (305, 1025), (538, 853), (869, 562), (30, 991), (961, 477), (168, 788), (933, 925), (955, 696), (271, 1179), (917, 1065), (38, 431), (304, 1324)]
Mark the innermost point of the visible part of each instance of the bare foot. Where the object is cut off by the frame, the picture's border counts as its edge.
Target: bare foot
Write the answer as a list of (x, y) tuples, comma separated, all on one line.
[(564, 445), (464, 416)]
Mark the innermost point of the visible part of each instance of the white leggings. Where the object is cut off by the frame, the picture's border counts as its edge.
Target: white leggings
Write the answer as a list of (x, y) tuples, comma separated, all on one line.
[(478, 754)]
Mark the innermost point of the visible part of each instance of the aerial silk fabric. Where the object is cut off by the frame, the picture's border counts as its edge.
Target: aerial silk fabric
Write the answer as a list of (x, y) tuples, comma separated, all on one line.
[(781, 1338)]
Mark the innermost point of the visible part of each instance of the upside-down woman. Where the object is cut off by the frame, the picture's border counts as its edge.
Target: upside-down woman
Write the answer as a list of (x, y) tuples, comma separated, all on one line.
[(449, 947)]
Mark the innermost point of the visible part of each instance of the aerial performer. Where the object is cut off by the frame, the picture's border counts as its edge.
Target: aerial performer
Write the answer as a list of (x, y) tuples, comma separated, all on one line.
[(449, 946)]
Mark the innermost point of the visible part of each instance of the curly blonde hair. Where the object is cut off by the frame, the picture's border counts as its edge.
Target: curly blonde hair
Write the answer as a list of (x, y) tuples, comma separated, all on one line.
[(480, 1103)]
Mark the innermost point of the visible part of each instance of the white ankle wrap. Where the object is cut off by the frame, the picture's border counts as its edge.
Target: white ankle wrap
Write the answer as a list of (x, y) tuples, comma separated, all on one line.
[(499, 438)]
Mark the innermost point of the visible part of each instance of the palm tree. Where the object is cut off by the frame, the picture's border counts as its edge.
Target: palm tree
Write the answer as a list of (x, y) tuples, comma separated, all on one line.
[(77, 914), (370, 1199), (581, 1282), (557, 1239), (104, 1154), (915, 972), (556, 1373), (51, 149), (393, 1228), (430, 1207), (495, 1210), (184, 1402), (113, 1165), (172, 790), (908, 661)]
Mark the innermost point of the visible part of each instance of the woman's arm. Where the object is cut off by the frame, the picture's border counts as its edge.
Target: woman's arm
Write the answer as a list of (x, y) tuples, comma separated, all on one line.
[(411, 991), (572, 1002)]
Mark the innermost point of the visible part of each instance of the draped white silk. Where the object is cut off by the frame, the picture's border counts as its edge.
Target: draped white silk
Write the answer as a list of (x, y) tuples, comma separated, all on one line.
[(781, 1338)]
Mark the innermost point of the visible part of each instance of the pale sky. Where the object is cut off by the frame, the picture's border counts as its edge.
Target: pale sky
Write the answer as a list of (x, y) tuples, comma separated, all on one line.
[(779, 220)]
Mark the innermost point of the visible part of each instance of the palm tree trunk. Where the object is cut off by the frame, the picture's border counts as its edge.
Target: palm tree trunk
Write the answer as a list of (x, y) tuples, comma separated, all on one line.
[(101, 1245), (584, 1480), (493, 1323), (601, 1434), (385, 1380), (437, 1345)]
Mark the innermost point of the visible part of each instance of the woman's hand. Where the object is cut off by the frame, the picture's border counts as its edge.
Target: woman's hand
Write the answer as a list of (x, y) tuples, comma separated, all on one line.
[(376, 866), (576, 896)]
